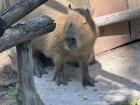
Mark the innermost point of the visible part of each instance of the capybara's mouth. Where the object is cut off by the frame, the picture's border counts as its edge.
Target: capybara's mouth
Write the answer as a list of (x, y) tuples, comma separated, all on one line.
[(71, 47)]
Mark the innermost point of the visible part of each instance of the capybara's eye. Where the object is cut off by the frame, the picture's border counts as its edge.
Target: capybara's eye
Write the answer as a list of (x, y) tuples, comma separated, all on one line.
[(84, 24), (71, 24)]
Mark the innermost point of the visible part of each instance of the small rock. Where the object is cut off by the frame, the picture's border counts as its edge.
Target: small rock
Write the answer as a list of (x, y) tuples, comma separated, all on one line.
[(84, 97)]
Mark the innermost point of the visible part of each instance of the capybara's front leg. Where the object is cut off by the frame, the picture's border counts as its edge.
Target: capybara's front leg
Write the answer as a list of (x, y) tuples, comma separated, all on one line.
[(86, 79), (59, 74)]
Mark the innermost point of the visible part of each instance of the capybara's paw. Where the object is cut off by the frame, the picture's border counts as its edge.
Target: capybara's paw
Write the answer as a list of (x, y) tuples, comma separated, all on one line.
[(88, 81), (39, 71), (60, 79), (38, 68)]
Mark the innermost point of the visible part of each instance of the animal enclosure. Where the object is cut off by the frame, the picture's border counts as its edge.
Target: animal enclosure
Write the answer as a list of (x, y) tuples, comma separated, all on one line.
[(110, 36)]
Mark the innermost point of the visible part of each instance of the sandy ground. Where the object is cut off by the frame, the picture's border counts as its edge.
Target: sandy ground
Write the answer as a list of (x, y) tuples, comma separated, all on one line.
[(117, 73)]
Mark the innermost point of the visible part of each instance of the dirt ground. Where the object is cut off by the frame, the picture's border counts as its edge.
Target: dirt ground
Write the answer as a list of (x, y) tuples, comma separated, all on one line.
[(117, 73)]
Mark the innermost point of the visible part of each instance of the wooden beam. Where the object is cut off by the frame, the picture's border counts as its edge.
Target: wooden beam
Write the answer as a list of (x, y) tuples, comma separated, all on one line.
[(26, 31), (117, 17), (25, 64), (19, 10)]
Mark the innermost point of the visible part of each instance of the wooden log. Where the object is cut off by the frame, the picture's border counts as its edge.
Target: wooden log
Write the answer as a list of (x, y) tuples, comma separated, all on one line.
[(19, 10), (117, 17), (25, 64), (26, 31)]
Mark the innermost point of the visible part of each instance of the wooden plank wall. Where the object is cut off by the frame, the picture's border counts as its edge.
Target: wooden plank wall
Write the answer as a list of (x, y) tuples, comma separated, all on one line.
[(113, 35), (135, 24)]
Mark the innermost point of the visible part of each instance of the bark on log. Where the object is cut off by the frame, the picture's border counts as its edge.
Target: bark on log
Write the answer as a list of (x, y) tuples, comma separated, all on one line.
[(25, 64), (17, 11), (117, 17), (26, 31)]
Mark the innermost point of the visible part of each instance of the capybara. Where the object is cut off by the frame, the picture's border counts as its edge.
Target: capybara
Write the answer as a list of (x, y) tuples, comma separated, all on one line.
[(71, 41)]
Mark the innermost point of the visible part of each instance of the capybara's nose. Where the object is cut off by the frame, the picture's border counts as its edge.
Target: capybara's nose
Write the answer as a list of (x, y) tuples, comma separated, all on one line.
[(70, 40)]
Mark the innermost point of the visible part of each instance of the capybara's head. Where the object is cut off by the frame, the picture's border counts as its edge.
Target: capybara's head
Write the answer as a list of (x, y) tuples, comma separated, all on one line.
[(79, 29)]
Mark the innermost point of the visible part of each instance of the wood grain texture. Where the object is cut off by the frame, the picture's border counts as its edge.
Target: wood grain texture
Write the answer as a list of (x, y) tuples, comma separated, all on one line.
[(2, 6), (19, 10), (106, 43), (118, 17), (114, 35), (135, 24), (26, 31), (25, 64), (103, 7)]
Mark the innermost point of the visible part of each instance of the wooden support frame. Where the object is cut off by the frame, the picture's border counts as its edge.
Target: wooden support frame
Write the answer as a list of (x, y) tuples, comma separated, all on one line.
[(20, 35), (25, 64)]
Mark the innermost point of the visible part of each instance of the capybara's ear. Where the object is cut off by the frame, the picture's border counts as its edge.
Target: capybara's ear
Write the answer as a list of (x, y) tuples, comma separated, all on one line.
[(90, 11), (69, 6)]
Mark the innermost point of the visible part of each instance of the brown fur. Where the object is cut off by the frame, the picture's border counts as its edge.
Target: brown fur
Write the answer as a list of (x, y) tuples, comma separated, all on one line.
[(53, 45)]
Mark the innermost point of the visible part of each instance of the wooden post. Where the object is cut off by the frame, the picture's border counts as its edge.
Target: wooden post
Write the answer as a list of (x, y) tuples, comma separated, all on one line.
[(25, 64)]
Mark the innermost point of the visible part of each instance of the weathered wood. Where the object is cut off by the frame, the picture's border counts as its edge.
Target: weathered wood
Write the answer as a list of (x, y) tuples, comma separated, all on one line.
[(17, 11), (134, 24), (117, 17), (26, 31), (3, 5), (112, 35), (25, 64)]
